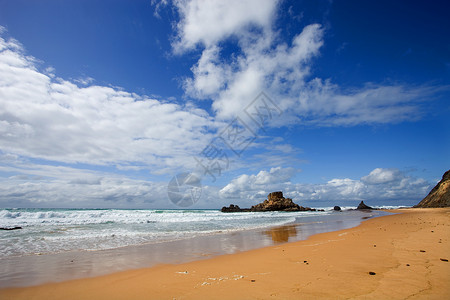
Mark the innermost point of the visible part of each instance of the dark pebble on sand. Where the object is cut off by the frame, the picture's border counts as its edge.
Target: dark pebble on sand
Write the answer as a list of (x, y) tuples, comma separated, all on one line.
[(407, 265), (253, 280), (423, 251), (372, 273), (444, 259)]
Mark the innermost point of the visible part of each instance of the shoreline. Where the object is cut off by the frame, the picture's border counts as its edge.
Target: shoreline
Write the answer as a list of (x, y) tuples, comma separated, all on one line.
[(31, 270), (403, 250)]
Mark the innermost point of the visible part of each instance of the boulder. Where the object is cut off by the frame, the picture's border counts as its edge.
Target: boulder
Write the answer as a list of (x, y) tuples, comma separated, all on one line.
[(439, 196), (337, 208), (363, 206)]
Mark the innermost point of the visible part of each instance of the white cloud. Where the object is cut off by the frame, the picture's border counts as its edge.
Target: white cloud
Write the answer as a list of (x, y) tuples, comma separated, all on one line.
[(210, 77), (264, 62), (382, 176), (251, 186), (46, 117), (209, 22), (386, 185), (322, 103), (112, 191), (260, 67), (38, 185)]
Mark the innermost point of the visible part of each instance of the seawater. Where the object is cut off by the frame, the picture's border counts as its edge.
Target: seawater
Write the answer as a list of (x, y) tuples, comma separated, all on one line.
[(57, 230), (62, 244)]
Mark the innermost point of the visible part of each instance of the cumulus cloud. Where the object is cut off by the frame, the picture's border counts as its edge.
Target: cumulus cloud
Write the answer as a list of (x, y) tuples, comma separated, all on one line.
[(43, 116), (390, 185), (263, 61), (382, 176), (209, 22), (251, 186)]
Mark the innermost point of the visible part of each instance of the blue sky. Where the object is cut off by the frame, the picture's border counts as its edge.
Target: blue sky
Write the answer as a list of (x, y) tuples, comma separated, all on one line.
[(102, 103)]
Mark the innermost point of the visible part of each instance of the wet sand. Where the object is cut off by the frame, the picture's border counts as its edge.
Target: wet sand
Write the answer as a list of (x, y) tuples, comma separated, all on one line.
[(393, 257)]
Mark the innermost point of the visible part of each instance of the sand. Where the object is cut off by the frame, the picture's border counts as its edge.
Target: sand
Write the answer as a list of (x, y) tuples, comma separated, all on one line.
[(393, 257)]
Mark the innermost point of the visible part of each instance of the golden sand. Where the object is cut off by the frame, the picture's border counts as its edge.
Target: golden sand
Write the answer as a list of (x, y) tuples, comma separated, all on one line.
[(393, 257)]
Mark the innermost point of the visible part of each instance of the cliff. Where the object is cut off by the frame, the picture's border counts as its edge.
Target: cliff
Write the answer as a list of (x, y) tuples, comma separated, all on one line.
[(439, 196)]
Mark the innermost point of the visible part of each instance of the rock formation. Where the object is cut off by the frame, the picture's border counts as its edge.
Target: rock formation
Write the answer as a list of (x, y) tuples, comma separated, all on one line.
[(234, 208), (439, 196), (337, 208), (10, 228), (362, 205), (274, 202)]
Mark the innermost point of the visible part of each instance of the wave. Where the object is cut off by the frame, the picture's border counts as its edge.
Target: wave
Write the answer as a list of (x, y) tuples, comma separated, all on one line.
[(59, 230), (27, 217)]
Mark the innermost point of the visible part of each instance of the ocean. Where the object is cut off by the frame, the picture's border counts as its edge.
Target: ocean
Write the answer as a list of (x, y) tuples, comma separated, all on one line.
[(50, 238)]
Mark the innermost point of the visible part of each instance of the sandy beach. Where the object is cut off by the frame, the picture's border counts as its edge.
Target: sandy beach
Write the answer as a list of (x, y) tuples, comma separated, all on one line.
[(392, 257)]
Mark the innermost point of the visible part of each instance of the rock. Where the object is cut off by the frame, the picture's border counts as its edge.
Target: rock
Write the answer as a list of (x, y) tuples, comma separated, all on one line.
[(10, 228), (363, 206), (275, 196), (337, 208), (231, 208), (439, 196), (274, 202)]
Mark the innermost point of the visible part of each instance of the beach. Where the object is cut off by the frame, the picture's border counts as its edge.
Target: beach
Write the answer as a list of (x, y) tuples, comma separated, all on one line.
[(399, 256)]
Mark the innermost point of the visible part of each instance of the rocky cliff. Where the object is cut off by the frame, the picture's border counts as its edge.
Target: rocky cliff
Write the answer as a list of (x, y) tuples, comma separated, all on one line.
[(439, 196)]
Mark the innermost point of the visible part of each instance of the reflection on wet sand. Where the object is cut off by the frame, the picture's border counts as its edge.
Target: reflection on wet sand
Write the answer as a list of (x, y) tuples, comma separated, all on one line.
[(281, 234)]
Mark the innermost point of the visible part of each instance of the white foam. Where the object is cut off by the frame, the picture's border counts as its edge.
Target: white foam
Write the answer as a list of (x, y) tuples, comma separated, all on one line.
[(50, 231)]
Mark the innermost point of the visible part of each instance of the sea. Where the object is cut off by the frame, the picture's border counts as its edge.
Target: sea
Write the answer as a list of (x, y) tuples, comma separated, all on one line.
[(50, 238)]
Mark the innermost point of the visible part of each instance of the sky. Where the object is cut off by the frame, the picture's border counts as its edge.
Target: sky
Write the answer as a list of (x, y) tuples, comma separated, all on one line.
[(123, 104)]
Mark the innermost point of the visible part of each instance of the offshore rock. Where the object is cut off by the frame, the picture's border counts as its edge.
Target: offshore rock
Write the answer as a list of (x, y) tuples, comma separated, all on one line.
[(337, 208), (233, 208), (363, 206), (439, 196), (274, 202), (10, 228)]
